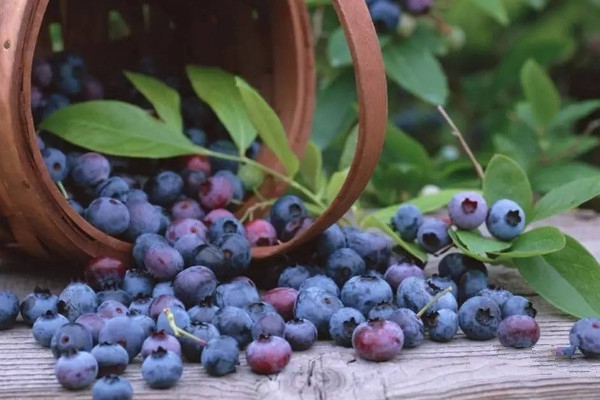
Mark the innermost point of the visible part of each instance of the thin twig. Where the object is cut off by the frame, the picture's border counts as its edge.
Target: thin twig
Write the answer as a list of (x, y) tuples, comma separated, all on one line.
[(62, 189), (591, 127), (462, 142), (318, 24)]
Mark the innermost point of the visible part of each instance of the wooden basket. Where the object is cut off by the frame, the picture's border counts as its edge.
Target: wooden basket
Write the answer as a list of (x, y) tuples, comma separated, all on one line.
[(268, 42)]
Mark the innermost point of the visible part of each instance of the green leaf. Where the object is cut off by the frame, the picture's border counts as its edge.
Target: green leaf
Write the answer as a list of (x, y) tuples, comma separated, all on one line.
[(349, 148), (416, 69), (119, 129), (311, 167), (335, 184), (569, 279), (476, 243), (412, 248), (334, 112), (566, 197), (427, 203), (164, 99), (494, 8), (573, 112), (402, 149), (218, 89), (540, 93), (552, 176), (338, 50), (569, 147), (269, 126), (504, 179), (465, 250), (538, 241)]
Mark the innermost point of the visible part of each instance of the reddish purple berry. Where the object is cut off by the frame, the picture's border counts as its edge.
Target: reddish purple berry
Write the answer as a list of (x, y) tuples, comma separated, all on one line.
[(185, 226), (283, 299), (518, 331), (163, 262), (260, 232), (378, 340), (215, 214), (268, 354), (187, 208), (76, 370), (104, 271), (396, 273), (160, 339), (216, 192)]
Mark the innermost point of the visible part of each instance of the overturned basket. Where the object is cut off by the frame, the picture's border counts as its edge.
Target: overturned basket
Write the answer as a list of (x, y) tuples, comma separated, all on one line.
[(267, 42)]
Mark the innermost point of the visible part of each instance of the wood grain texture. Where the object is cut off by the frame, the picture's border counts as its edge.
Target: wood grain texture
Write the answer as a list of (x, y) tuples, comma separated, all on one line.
[(463, 369)]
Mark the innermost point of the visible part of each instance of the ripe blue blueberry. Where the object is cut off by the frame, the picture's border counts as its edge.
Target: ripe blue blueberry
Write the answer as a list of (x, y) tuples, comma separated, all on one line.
[(406, 221), (53, 103), (322, 282), (269, 324), (89, 169), (397, 272), (141, 245), (479, 318), (342, 325), (124, 331), (93, 322), (293, 276), (71, 336), (186, 245), (46, 325), (138, 282), (112, 387), (220, 356), (417, 7), (287, 208), (505, 220), (237, 255), (518, 305), (300, 333), (365, 292), (187, 208), (165, 287), (164, 189), (225, 225), (111, 308), (442, 325), (192, 182), (148, 325), (192, 349), (438, 283), (111, 358), (41, 72), (518, 331), (432, 235), (259, 309), (344, 263), (36, 304), (227, 147), (77, 207), (114, 294), (467, 210), (383, 310), (330, 240), (197, 136), (114, 187), (412, 326), (471, 282), (203, 312), (182, 320), (162, 369), (194, 284), (140, 305), (108, 215), (143, 218), (235, 293), (455, 264), (163, 301), (56, 163), (234, 322), (76, 370), (375, 250), (585, 335), (496, 293), (317, 306), (68, 71), (385, 15), (77, 299), (412, 293)]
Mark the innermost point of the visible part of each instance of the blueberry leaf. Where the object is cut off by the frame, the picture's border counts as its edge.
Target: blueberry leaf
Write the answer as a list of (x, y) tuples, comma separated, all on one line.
[(338, 51), (269, 126), (494, 8), (465, 250), (566, 197), (401, 148), (415, 68), (553, 176), (374, 222), (336, 181), (569, 279), (538, 241), (217, 88), (476, 243), (117, 128), (540, 93), (166, 100), (311, 167), (505, 179), (574, 112), (349, 148)]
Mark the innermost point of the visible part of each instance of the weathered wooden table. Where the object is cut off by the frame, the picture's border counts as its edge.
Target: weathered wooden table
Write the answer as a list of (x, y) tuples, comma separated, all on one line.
[(462, 369)]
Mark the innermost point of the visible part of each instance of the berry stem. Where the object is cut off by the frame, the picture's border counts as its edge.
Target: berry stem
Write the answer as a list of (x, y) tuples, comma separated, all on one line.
[(178, 331), (456, 133), (433, 300), (253, 208), (62, 189)]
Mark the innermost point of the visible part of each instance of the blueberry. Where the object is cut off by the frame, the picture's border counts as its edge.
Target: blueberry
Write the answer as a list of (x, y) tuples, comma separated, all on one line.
[(140, 305), (432, 235), (36, 304), (417, 7), (238, 187), (77, 299), (112, 387), (376, 250), (505, 220), (187, 208), (108, 215), (41, 72), (194, 284), (138, 282), (92, 89), (204, 312), (124, 331), (293, 276), (192, 349), (286, 209), (90, 169), (160, 339), (182, 320), (259, 309), (111, 357), (585, 335), (365, 292), (93, 322), (467, 210), (185, 226), (385, 15), (163, 301), (186, 245), (53, 103), (260, 232), (237, 255), (46, 325), (397, 272), (317, 306), (471, 282), (136, 195), (77, 207), (226, 147), (235, 293), (114, 294), (479, 318), (102, 271), (518, 331), (142, 244), (68, 71), (76, 370), (148, 325), (322, 282), (165, 287), (269, 324), (37, 102), (56, 163), (197, 136), (438, 283), (268, 354), (111, 308), (143, 218), (114, 187), (330, 240), (344, 263), (342, 325), (234, 322), (283, 299), (455, 264), (225, 225), (442, 325), (216, 192), (162, 369), (378, 340), (192, 182), (163, 262), (496, 293), (220, 356), (383, 310), (412, 326), (518, 305), (164, 188), (406, 221), (71, 336), (300, 333), (412, 293), (209, 255)]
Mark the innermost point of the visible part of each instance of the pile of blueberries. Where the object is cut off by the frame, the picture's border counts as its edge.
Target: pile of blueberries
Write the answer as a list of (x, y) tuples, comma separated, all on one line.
[(386, 14)]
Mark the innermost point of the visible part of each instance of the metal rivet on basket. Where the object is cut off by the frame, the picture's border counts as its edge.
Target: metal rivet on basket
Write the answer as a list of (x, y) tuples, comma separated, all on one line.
[(7, 44)]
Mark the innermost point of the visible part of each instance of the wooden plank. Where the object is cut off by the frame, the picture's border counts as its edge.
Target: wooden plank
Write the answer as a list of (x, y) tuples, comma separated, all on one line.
[(463, 368)]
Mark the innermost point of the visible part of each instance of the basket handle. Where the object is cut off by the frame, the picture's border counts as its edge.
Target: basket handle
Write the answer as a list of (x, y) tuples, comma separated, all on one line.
[(371, 87)]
